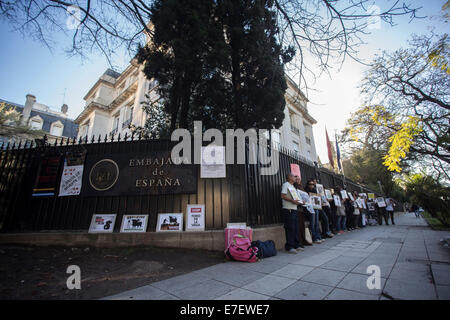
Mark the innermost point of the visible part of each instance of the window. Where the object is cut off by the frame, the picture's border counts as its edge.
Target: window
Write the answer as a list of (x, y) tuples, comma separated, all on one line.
[(296, 146), (36, 123), (275, 139), (84, 130), (294, 127), (308, 140), (128, 116), (57, 128), (115, 126)]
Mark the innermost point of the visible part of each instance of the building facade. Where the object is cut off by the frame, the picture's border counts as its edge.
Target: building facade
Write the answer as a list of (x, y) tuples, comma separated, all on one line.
[(56, 124), (114, 102)]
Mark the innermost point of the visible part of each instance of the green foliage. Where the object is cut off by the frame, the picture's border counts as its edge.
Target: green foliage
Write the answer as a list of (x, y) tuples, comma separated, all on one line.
[(406, 110), (218, 62), (11, 125), (431, 195), (365, 166)]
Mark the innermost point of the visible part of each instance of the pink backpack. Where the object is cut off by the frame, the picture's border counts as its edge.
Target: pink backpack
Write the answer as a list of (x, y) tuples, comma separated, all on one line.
[(240, 249)]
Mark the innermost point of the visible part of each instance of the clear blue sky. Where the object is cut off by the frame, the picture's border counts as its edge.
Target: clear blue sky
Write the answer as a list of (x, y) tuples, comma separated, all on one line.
[(29, 67)]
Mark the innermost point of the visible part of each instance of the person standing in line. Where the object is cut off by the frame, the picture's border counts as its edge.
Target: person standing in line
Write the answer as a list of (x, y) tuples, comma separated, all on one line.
[(356, 212), (323, 217), (313, 215), (390, 209), (349, 209), (290, 201), (381, 214), (326, 209), (333, 210), (301, 215), (340, 212)]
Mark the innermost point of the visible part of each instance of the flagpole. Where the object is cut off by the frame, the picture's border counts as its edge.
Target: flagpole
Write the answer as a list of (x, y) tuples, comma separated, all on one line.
[(340, 161)]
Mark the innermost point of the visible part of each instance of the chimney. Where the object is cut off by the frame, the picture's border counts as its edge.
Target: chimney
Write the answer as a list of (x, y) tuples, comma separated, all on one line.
[(31, 100), (64, 108)]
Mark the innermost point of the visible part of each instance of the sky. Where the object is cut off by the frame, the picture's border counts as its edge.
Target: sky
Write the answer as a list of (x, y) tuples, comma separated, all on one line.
[(54, 77)]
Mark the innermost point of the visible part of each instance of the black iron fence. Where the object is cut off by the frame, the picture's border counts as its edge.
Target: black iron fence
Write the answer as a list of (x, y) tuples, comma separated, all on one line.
[(244, 195)]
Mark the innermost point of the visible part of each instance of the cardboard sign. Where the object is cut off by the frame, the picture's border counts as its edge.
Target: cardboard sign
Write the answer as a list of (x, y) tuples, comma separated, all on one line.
[(134, 223), (328, 194), (316, 201), (195, 217), (371, 196), (351, 196), (169, 222), (344, 194), (380, 202), (295, 170), (293, 193), (102, 223), (337, 201), (320, 189)]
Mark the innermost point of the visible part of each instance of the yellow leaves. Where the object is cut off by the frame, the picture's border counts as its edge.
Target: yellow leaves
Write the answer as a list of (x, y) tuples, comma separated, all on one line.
[(401, 142)]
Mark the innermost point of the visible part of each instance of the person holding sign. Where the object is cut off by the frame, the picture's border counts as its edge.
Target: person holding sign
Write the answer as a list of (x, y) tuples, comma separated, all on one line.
[(290, 200), (390, 209), (341, 216), (301, 213), (314, 218)]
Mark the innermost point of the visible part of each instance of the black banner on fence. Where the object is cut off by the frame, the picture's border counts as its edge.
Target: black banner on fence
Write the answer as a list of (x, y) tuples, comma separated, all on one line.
[(137, 174), (48, 176)]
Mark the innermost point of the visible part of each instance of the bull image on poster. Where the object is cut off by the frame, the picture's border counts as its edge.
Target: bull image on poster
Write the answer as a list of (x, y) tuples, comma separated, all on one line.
[(134, 223), (168, 222)]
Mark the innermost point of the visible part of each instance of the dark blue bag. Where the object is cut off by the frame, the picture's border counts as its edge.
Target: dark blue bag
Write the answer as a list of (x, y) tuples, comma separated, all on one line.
[(265, 248)]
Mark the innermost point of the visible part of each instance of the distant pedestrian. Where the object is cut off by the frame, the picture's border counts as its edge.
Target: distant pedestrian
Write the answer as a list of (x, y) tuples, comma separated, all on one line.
[(415, 209), (390, 209)]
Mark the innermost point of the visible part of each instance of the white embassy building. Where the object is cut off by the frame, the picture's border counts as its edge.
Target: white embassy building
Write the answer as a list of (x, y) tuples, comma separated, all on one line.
[(114, 102)]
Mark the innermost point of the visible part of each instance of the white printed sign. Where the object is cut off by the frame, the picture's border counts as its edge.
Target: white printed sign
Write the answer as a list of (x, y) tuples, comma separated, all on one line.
[(213, 162), (102, 223), (195, 219), (71, 180)]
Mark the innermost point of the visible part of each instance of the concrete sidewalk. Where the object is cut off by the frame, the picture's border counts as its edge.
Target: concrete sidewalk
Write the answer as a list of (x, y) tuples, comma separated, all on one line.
[(413, 263)]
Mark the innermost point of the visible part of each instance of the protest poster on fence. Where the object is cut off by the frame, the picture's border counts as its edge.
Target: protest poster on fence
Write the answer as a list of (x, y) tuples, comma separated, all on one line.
[(47, 178), (72, 174)]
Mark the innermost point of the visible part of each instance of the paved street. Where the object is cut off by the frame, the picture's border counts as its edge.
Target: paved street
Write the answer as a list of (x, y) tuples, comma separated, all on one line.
[(412, 260)]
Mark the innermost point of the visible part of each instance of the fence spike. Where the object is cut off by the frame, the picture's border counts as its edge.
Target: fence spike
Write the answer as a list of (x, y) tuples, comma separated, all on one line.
[(106, 137), (132, 136), (93, 139), (99, 138), (118, 137), (125, 137), (86, 139)]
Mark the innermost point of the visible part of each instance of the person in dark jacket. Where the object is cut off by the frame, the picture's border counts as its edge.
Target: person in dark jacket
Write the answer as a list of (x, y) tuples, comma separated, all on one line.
[(301, 215)]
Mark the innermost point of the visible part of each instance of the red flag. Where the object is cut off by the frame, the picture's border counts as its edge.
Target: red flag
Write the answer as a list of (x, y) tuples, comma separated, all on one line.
[(330, 154)]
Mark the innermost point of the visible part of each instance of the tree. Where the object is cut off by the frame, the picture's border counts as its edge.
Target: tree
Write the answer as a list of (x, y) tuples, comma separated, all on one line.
[(219, 63), (430, 194), (11, 124), (186, 57), (407, 105), (326, 30), (257, 60), (365, 166)]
